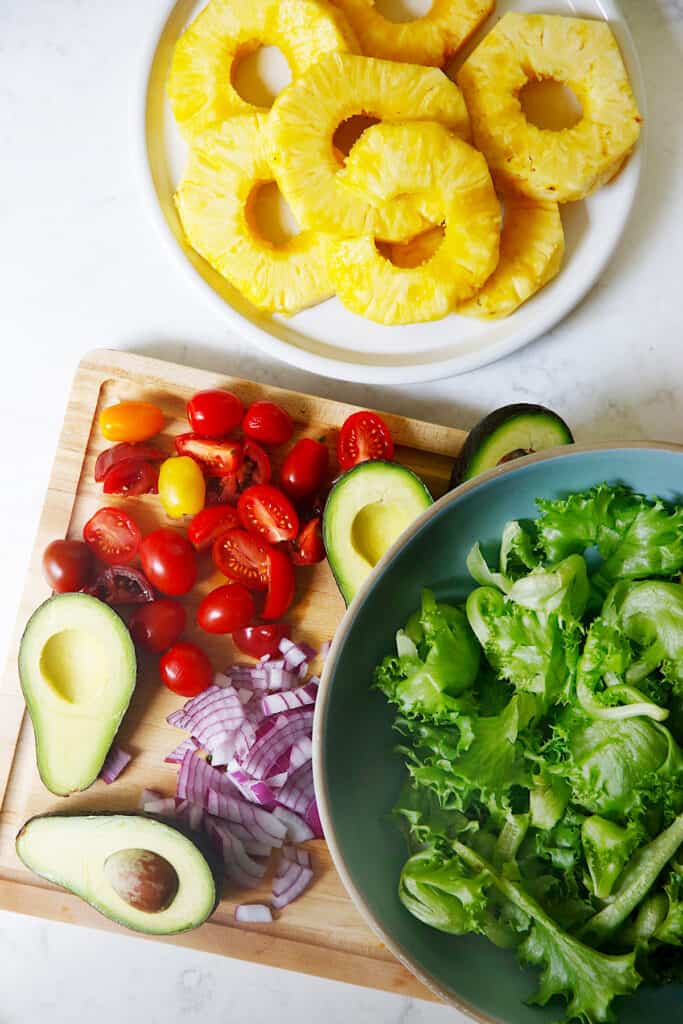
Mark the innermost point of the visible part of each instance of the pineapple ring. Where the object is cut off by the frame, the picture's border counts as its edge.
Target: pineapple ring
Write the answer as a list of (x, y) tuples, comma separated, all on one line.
[(306, 115), (531, 254), (557, 165), (449, 182), (226, 167), (200, 85), (431, 39)]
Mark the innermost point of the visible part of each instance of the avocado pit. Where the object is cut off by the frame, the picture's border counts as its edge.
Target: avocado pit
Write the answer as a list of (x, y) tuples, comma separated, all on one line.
[(143, 879)]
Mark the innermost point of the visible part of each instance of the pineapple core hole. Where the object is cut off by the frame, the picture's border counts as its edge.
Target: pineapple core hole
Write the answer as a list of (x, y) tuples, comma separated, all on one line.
[(414, 253), (259, 73), (550, 105), (349, 132), (270, 216), (403, 10)]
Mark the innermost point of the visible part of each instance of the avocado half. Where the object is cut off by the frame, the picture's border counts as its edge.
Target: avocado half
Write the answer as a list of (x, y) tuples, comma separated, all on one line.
[(366, 511), (507, 434), (142, 872), (77, 668)]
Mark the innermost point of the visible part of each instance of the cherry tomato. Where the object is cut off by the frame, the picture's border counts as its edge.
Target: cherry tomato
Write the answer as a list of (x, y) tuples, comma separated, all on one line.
[(119, 452), (68, 565), (363, 436), (305, 468), (255, 469), (308, 548), (169, 561), (157, 625), (267, 423), (242, 558), (226, 609), (185, 670), (262, 640), (268, 513), (131, 477), (214, 413), (281, 585), (131, 421), (210, 523), (113, 536), (119, 584), (182, 488), (218, 458)]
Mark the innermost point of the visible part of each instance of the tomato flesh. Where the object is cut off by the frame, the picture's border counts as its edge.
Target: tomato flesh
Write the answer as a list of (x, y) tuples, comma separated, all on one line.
[(218, 458), (208, 525), (131, 421), (243, 558), (121, 584), (157, 625), (281, 585), (169, 561), (267, 423), (255, 469), (262, 640), (226, 609), (112, 536), (131, 477), (68, 565), (214, 413), (308, 548), (268, 513), (120, 452), (186, 670), (305, 468), (363, 436)]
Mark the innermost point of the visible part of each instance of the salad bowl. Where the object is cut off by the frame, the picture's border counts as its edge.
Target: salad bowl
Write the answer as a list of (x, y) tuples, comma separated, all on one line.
[(358, 773)]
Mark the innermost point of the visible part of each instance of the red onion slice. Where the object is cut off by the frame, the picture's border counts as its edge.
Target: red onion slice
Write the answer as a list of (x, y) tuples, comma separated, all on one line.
[(254, 790), (298, 791), (296, 855), (253, 913), (164, 806), (115, 761), (261, 824), (148, 795), (176, 756), (274, 740), (289, 700), (301, 752), (291, 881), (297, 829)]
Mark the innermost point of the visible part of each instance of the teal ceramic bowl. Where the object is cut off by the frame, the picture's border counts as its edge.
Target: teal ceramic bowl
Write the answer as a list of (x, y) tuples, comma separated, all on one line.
[(358, 775)]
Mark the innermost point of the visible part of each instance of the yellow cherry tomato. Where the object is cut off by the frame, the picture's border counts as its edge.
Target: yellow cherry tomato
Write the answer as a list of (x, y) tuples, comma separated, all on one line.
[(131, 421), (182, 488)]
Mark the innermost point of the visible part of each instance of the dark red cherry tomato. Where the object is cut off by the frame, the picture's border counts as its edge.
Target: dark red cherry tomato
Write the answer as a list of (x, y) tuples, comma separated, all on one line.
[(170, 561), (255, 469), (363, 436), (126, 450), (243, 558), (157, 625), (132, 477), (120, 584), (214, 413), (186, 670), (268, 513), (218, 458), (267, 423), (281, 585), (210, 523), (308, 548), (305, 468), (262, 640), (226, 609), (112, 535), (68, 565)]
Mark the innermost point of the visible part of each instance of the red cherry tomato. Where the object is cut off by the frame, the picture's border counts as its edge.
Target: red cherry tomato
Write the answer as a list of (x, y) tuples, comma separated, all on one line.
[(242, 558), (186, 670), (131, 477), (157, 625), (305, 468), (119, 584), (214, 413), (281, 585), (210, 523), (226, 609), (170, 561), (255, 469), (119, 452), (68, 565), (262, 640), (363, 436), (267, 423), (268, 513), (219, 458), (113, 536), (308, 548)]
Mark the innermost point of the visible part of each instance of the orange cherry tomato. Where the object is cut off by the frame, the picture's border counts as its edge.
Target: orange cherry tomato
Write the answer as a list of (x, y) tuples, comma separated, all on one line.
[(131, 421)]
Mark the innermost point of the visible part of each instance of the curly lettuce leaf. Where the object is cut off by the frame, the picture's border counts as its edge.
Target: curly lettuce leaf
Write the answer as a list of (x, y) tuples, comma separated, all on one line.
[(607, 848), (650, 615), (445, 894), (670, 931)]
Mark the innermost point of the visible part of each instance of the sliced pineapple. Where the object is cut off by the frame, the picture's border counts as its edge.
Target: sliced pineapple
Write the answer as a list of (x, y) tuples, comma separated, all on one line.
[(449, 183), (306, 115), (431, 39), (556, 165), (200, 85), (226, 168), (531, 253)]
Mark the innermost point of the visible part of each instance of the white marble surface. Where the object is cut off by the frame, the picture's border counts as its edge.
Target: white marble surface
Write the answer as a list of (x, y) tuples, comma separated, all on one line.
[(81, 266)]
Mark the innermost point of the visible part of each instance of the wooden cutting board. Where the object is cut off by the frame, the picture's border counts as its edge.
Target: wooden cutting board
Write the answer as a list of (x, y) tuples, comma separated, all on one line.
[(321, 933)]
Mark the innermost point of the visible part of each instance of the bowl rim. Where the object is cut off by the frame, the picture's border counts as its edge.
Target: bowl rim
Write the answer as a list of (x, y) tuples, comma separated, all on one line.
[(323, 700)]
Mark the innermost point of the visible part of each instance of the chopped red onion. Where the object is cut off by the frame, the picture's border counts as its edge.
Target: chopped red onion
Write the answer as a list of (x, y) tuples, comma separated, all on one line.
[(115, 761), (296, 855), (298, 791), (176, 718), (274, 736), (313, 820), (291, 880), (164, 806), (254, 790), (245, 695), (148, 795), (297, 829), (224, 752), (276, 703), (253, 913), (296, 654), (176, 756), (301, 752), (239, 866), (261, 824), (277, 781), (251, 845)]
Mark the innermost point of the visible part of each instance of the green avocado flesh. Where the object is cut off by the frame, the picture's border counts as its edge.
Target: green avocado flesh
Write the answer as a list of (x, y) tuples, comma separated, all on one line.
[(367, 510), (77, 669), (122, 863)]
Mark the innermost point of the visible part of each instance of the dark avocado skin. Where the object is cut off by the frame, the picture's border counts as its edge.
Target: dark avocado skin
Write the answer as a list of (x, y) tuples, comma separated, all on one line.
[(490, 425)]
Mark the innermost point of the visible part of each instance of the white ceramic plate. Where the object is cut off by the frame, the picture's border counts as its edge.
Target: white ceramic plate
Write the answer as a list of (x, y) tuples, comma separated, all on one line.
[(331, 341)]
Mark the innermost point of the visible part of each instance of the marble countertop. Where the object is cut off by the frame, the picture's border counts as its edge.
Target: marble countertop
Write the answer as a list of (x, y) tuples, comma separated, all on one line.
[(82, 267)]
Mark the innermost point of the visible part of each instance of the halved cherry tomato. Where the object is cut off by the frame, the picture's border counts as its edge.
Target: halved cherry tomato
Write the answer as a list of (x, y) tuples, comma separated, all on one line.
[(186, 670), (119, 452), (267, 423), (113, 536), (216, 457), (268, 513), (182, 488), (210, 523), (363, 436), (308, 548), (305, 468), (120, 584), (68, 565), (214, 413), (157, 625), (259, 641), (131, 477), (281, 585), (254, 470), (169, 561), (131, 421), (226, 609), (242, 558)]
